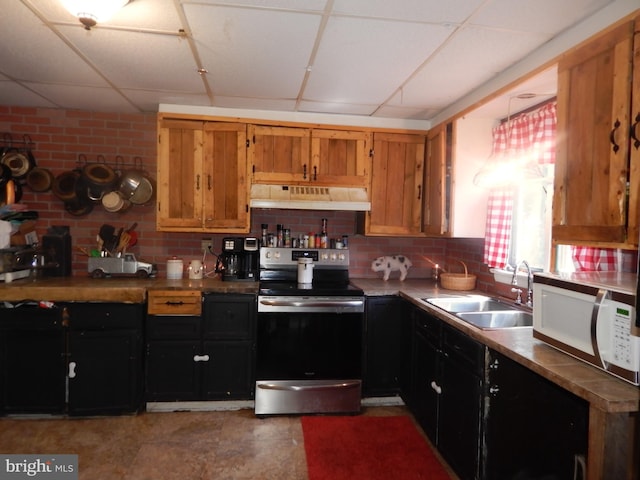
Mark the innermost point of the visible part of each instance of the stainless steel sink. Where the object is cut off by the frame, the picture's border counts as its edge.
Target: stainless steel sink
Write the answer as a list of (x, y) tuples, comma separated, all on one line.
[(496, 320), (484, 312), (469, 303)]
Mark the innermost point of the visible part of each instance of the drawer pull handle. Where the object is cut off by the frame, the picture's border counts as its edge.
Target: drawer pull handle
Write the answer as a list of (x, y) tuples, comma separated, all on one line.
[(436, 387), (174, 304), (201, 358), (72, 369)]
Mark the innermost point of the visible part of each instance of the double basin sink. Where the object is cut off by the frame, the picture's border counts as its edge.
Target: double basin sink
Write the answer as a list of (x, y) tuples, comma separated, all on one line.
[(487, 313)]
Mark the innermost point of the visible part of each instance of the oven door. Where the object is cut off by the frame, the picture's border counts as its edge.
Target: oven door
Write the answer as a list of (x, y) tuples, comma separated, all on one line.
[(309, 346)]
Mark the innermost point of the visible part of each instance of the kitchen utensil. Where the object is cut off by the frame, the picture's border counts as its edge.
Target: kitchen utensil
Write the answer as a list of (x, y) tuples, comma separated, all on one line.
[(113, 202), (98, 179), (135, 185)]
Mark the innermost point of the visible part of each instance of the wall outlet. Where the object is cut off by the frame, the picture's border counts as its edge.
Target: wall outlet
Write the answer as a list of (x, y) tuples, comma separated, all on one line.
[(206, 244)]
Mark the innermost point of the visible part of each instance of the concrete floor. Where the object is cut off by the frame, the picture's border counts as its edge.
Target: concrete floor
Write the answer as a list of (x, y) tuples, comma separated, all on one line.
[(230, 445)]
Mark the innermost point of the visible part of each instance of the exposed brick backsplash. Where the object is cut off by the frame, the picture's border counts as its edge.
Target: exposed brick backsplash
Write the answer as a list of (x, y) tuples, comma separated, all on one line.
[(61, 136)]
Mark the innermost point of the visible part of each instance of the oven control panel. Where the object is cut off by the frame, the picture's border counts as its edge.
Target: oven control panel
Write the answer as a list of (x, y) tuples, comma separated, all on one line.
[(273, 257)]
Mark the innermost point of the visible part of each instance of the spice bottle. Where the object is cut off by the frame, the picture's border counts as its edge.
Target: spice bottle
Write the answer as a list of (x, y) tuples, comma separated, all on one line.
[(279, 235)]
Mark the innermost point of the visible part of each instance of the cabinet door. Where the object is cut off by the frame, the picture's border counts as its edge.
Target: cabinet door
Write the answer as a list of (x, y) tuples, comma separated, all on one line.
[(105, 372), (180, 178), (633, 225), (386, 345), (435, 215), (592, 142), (534, 428), (279, 154), (33, 370), (460, 403), (229, 317), (340, 158), (173, 371), (228, 374), (224, 178), (397, 181)]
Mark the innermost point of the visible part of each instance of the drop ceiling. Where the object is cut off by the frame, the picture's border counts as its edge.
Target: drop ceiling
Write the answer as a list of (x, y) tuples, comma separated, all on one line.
[(401, 59)]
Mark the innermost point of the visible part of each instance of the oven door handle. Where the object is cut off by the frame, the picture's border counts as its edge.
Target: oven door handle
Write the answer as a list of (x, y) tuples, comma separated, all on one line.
[(310, 387), (314, 303)]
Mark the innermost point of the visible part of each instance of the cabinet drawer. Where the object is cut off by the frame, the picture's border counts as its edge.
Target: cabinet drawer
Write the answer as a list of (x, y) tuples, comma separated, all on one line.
[(173, 327), (428, 325), (174, 302), (101, 316)]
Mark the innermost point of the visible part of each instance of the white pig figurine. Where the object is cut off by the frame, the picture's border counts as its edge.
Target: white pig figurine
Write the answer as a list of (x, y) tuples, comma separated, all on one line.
[(390, 264)]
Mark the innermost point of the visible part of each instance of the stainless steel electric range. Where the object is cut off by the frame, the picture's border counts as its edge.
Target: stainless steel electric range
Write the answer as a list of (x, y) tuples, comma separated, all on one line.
[(309, 341)]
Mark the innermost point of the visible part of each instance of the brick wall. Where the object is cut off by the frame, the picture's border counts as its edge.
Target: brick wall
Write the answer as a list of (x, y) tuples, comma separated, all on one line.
[(62, 136)]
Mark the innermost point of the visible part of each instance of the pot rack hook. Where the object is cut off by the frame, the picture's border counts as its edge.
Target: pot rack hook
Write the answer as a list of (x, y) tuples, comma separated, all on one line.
[(82, 158), (28, 142)]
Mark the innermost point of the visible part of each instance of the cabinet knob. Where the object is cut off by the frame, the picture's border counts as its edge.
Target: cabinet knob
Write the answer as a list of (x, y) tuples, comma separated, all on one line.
[(494, 390), (436, 387), (72, 369), (201, 358)]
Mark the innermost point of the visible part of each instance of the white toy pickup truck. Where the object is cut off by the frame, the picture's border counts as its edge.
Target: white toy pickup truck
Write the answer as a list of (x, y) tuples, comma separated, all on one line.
[(126, 265)]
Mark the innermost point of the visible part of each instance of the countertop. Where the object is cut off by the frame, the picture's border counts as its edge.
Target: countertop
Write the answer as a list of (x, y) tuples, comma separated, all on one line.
[(600, 389), (115, 289)]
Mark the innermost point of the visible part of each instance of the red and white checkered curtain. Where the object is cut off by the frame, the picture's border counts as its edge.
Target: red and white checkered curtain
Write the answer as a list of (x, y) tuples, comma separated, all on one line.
[(593, 259), (528, 136)]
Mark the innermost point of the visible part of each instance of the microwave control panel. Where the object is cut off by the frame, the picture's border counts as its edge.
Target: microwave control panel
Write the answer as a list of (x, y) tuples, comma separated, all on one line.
[(625, 347)]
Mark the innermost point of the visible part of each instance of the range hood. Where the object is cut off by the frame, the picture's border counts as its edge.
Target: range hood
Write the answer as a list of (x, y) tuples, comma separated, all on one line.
[(304, 197)]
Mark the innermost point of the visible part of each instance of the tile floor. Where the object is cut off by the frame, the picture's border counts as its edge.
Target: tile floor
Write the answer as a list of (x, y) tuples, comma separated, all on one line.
[(231, 445)]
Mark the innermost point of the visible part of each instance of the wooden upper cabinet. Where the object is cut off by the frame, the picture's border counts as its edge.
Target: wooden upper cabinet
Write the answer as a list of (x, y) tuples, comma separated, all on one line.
[(633, 223), (179, 195), (297, 155), (397, 181), (279, 154), (225, 173), (340, 158), (435, 217), (202, 176), (592, 156)]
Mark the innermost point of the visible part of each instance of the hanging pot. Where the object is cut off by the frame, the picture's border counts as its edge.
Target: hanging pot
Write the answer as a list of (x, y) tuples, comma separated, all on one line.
[(136, 186), (17, 162), (64, 185), (40, 179), (98, 178)]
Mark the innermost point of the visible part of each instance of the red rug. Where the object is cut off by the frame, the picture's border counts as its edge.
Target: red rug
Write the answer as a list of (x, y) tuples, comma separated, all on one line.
[(371, 448)]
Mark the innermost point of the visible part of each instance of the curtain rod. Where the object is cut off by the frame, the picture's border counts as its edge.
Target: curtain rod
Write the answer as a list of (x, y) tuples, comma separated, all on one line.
[(530, 109)]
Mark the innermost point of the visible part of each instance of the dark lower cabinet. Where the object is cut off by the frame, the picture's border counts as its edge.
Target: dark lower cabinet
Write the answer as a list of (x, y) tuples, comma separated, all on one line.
[(76, 358), (203, 357), (105, 358), (446, 396), (533, 428), (32, 360), (386, 346)]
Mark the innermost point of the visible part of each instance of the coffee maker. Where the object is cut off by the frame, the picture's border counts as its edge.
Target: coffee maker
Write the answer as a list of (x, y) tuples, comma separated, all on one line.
[(240, 257)]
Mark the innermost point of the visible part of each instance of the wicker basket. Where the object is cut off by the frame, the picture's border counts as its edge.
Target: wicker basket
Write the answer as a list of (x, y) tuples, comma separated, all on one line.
[(458, 281)]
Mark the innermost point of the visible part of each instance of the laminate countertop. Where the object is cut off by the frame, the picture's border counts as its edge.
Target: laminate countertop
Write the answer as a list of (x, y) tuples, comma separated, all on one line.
[(600, 389)]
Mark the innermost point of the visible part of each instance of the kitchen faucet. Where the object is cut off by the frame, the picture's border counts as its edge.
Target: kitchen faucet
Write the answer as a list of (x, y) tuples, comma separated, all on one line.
[(514, 281)]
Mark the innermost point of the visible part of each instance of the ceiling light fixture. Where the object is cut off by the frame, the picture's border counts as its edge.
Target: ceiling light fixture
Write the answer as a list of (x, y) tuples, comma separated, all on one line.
[(90, 12)]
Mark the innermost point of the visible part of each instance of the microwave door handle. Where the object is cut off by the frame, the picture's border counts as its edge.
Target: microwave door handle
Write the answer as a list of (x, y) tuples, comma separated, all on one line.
[(595, 313)]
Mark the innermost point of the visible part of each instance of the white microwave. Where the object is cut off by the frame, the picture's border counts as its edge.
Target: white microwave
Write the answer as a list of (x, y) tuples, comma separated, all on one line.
[(591, 316)]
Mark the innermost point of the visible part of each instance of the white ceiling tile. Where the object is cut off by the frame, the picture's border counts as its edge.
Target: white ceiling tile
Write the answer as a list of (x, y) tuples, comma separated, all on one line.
[(253, 53), (30, 51), (299, 5), (462, 65), (352, 65), (534, 15), (130, 60), (433, 11), (405, 112), (76, 97), (148, 100), (12, 93)]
